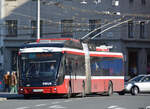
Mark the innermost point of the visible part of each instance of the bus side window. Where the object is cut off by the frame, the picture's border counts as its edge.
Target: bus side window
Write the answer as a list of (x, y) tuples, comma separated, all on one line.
[(61, 73), (68, 66)]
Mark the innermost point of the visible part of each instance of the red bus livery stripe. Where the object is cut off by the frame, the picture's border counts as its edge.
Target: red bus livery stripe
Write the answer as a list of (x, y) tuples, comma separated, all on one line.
[(73, 52), (106, 55)]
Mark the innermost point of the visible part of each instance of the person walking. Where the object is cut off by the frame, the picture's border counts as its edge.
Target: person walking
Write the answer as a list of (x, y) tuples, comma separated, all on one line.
[(13, 82), (6, 80)]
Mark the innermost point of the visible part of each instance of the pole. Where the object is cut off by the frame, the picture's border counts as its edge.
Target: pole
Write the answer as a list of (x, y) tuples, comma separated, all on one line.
[(2, 16), (38, 19)]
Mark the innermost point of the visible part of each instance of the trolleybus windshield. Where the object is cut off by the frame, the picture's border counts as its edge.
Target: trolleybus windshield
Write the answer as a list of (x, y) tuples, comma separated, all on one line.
[(39, 66)]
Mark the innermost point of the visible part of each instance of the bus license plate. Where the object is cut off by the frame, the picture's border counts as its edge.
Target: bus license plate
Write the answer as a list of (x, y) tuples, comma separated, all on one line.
[(37, 90)]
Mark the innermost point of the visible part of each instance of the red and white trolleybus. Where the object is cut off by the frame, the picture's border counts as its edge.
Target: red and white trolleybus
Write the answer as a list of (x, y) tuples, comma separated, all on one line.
[(67, 66)]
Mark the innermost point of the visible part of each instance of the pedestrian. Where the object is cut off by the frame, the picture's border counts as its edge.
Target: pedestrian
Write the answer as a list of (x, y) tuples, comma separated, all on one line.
[(6, 80), (52, 68), (13, 82)]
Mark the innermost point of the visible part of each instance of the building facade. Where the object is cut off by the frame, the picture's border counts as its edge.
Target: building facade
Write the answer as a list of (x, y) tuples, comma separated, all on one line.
[(76, 18)]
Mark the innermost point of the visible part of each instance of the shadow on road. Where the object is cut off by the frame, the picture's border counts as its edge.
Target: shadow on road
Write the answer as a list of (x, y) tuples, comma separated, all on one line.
[(40, 97)]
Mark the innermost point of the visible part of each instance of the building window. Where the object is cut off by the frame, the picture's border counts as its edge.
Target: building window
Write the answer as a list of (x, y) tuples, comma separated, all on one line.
[(11, 28), (97, 1), (130, 29), (131, 1), (34, 28), (93, 24), (142, 29), (115, 2), (67, 28), (143, 2)]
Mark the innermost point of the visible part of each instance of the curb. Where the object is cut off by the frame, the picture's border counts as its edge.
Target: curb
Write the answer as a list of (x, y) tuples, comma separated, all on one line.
[(3, 99)]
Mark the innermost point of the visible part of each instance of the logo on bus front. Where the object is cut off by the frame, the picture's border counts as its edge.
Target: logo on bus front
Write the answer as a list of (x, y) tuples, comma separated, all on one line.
[(46, 83)]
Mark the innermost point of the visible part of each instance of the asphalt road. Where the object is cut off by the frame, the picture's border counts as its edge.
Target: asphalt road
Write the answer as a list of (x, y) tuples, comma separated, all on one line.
[(91, 102)]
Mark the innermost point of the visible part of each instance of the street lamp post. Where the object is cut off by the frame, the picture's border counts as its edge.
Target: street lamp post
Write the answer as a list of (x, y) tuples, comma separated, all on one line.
[(38, 19), (2, 16)]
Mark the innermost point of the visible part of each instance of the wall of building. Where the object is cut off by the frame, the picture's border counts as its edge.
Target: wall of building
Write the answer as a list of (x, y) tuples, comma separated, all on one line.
[(24, 11)]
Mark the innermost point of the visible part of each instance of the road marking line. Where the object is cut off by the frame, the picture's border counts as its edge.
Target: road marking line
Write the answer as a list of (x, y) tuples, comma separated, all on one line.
[(112, 107), (40, 105), (22, 107), (57, 107), (119, 108), (115, 107), (56, 102), (79, 98), (67, 101), (3, 99)]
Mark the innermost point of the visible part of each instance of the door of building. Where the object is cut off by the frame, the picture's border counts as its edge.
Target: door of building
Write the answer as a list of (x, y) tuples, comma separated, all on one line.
[(132, 63)]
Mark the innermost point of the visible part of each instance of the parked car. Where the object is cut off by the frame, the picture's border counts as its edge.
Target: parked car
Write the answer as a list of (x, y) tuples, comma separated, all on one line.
[(138, 84)]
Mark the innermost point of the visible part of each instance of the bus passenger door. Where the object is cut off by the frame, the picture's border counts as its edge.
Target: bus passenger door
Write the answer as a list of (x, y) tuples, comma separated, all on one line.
[(105, 84), (87, 68), (71, 75)]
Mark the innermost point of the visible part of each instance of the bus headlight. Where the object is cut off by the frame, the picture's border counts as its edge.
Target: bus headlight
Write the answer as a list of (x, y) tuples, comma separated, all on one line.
[(55, 89)]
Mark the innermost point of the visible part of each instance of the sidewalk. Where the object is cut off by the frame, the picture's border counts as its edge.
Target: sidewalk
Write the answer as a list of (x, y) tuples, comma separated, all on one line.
[(6, 95)]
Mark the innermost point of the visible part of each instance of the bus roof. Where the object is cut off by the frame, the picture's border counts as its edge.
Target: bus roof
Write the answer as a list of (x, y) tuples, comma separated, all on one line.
[(65, 44), (53, 44), (56, 40)]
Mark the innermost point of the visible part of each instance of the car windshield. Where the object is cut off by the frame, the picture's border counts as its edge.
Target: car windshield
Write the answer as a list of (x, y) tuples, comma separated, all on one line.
[(136, 79)]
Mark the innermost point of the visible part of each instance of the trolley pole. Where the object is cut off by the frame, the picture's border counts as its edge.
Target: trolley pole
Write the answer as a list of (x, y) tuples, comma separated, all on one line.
[(38, 19)]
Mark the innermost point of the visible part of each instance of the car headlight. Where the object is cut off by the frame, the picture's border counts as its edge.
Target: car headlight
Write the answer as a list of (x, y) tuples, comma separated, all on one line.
[(128, 86)]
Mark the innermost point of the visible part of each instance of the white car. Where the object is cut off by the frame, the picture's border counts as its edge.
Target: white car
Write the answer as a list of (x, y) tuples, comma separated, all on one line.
[(138, 84)]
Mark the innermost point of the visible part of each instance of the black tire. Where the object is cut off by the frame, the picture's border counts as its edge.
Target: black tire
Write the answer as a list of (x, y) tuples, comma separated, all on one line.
[(121, 93), (74, 95), (27, 96), (134, 90), (110, 89)]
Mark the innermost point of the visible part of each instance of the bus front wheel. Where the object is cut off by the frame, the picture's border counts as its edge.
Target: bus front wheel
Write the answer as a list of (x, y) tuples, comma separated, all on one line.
[(27, 96)]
